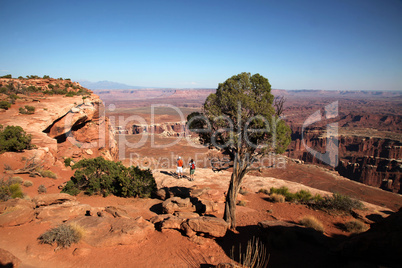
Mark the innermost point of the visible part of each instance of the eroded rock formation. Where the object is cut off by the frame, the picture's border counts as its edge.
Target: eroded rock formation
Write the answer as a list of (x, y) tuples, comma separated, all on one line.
[(62, 125)]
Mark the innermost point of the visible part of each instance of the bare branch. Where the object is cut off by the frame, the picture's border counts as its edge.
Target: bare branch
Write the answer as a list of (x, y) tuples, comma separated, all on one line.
[(278, 104)]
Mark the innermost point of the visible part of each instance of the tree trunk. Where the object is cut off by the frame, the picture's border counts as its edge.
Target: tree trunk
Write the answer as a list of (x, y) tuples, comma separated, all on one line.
[(230, 205), (239, 170)]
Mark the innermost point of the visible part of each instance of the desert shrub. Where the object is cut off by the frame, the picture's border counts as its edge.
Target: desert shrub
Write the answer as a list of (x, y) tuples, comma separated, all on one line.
[(33, 89), (64, 236), (32, 77), (67, 161), (47, 174), (303, 196), (8, 190), (277, 198), (16, 179), (338, 202), (355, 226), (242, 203), (14, 139), (6, 76), (71, 94), (312, 222), (290, 197), (5, 105), (27, 110), (100, 176), (264, 191), (253, 255), (42, 189), (27, 183), (3, 90), (46, 77), (16, 191)]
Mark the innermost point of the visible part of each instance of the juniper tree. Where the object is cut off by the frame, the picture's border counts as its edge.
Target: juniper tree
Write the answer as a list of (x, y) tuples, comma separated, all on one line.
[(243, 119)]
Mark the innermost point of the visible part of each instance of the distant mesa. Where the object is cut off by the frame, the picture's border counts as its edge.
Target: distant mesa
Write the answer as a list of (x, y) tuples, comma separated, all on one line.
[(106, 85)]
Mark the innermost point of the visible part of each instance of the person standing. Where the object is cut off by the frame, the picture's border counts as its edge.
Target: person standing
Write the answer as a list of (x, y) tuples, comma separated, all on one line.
[(179, 169), (192, 169)]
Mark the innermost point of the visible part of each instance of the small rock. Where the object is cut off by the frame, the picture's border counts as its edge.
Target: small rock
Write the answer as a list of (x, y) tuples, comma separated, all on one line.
[(81, 252)]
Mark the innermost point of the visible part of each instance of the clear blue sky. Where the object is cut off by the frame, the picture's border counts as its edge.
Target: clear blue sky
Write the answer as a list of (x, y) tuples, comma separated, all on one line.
[(334, 45)]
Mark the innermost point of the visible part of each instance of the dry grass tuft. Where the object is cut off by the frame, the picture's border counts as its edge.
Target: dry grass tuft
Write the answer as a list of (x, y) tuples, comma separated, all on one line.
[(355, 226), (277, 198), (312, 222)]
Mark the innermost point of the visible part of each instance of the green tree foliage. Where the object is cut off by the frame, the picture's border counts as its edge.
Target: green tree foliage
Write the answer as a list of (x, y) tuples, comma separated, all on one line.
[(100, 176), (242, 119), (6, 76), (14, 139)]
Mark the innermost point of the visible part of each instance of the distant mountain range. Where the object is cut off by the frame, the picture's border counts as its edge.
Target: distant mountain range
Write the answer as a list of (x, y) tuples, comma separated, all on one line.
[(105, 85)]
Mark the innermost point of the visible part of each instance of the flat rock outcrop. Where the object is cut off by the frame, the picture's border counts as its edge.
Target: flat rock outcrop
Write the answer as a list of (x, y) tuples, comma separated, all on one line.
[(105, 232), (16, 212)]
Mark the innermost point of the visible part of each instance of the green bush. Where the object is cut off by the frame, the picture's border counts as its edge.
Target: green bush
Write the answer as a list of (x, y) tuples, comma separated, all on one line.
[(3, 90), (71, 94), (283, 191), (64, 236), (13, 97), (100, 176), (8, 190), (338, 202), (5, 105), (6, 76), (14, 139), (303, 196), (46, 77), (67, 161), (27, 110)]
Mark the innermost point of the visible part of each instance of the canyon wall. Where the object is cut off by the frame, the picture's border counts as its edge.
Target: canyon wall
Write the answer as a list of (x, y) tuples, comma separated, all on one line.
[(373, 161)]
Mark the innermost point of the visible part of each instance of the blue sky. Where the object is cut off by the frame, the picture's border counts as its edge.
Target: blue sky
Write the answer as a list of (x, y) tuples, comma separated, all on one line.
[(333, 45)]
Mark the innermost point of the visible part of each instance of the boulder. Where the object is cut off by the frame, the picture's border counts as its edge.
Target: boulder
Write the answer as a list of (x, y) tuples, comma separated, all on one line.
[(212, 226), (50, 199), (62, 212), (7, 259), (172, 222), (197, 192), (117, 212), (186, 215), (15, 212), (206, 206), (177, 204), (107, 232)]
